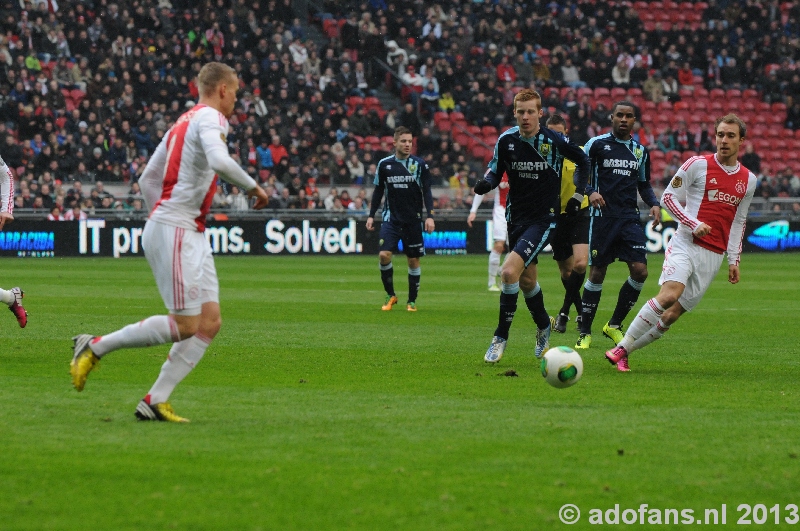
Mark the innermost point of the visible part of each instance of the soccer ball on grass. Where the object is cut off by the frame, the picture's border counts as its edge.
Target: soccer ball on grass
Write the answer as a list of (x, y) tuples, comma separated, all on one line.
[(562, 367)]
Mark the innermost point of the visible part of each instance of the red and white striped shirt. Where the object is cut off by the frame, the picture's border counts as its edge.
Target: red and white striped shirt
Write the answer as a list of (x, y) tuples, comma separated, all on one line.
[(716, 195), (179, 181), (6, 188)]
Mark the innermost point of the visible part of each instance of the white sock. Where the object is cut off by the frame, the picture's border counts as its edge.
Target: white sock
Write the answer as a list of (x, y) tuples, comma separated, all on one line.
[(654, 333), (494, 267), (6, 297), (646, 319), (183, 357), (155, 330)]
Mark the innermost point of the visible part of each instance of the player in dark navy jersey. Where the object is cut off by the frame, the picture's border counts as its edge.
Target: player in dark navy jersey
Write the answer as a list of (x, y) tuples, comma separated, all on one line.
[(532, 158), (620, 172), (405, 180)]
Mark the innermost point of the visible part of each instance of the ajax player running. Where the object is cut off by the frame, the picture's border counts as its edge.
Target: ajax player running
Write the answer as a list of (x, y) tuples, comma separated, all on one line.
[(178, 185), (12, 297), (499, 229), (716, 192)]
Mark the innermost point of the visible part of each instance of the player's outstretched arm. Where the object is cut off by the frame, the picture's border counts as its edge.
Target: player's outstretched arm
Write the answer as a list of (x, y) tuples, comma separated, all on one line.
[(262, 199)]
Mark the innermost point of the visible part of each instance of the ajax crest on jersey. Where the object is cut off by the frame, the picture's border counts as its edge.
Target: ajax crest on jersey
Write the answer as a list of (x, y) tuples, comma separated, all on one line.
[(561, 367)]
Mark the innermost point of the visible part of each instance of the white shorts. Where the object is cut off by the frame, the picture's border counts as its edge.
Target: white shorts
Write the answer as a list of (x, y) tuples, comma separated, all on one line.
[(499, 224), (693, 266), (183, 266)]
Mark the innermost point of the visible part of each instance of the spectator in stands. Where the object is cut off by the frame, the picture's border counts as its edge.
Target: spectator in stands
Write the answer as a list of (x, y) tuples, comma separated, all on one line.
[(653, 88), (570, 75), (638, 74), (396, 57), (237, 200), (670, 169), (620, 74), (683, 139), (685, 77), (666, 140), (277, 150), (356, 169), (55, 214), (670, 88), (793, 117), (750, 159), (541, 72)]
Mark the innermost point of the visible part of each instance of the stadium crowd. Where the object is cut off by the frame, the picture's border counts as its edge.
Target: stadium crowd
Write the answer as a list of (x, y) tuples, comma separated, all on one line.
[(88, 89)]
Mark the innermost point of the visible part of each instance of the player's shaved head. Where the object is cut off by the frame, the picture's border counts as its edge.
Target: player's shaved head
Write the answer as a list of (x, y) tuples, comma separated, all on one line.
[(527, 95), (211, 75), (732, 119)]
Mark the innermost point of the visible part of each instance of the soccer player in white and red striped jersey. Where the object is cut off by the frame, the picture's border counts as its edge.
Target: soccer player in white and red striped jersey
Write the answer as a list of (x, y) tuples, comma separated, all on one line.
[(499, 228), (178, 185), (709, 196), (13, 296)]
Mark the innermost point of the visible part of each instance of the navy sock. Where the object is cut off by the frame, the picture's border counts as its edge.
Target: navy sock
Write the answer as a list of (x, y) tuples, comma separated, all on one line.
[(590, 301), (567, 299), (575, 283), (387, 277), (413, 283), (628, 295), (534, 300), (508, 305)]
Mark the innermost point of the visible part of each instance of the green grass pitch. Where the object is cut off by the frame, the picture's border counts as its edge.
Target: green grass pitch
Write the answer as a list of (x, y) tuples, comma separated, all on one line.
[(315, 410)]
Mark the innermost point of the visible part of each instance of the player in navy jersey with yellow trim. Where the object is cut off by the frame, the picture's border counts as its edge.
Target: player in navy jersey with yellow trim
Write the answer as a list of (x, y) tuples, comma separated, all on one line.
[(620, 172), (405, 179), (532, 157), (571, 239)]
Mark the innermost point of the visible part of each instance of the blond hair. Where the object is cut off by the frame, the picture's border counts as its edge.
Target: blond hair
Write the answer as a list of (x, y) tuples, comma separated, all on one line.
[(212, 75), (527, 95)]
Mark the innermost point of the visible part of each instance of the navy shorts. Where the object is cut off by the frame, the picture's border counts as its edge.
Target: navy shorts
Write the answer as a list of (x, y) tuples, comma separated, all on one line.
[(406, 237), (529, 240), (570, 230), (620, 239)]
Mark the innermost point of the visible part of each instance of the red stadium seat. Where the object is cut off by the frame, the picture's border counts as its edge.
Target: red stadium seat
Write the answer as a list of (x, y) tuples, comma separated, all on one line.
[(474, 130), (489, 130), (717, 93), (373, 140), (444, 126), (732, 94), (657, 154), (601, 92), (797, 134), (779, 107), (750, 94), (618, 93), (763, 107), (371, 102), (456, 116), (354, 101)]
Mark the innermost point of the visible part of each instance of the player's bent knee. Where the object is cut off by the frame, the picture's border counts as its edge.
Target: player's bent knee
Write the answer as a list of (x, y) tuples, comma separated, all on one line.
[(187, 327), (385, 257), (210, 328)]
